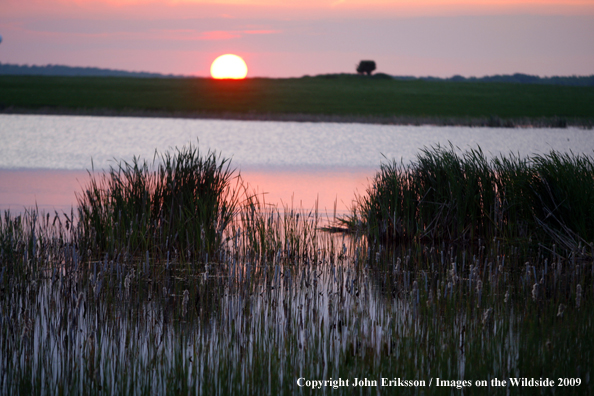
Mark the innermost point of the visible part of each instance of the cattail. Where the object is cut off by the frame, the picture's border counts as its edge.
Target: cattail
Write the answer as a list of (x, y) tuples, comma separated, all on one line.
[(578, 295), (561, 310), (415, 287), (452, 274), (487, 316), (535, 292), (93, 281), (479, 291), (185, 300), (528, 273), (128, 280), (506, 297)]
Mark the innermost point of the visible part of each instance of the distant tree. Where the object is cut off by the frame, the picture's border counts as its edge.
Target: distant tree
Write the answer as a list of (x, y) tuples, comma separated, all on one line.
[(366, 67)]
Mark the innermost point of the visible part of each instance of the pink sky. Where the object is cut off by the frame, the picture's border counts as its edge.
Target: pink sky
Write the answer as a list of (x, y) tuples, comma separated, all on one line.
[(293, 38)]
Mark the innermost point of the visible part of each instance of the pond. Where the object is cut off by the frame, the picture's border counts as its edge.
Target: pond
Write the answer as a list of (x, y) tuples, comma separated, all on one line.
[(43, 159)]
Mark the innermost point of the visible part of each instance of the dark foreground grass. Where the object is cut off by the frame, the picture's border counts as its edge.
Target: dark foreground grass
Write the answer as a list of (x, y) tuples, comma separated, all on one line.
[(243, 324), (354, 98), (276, 300)]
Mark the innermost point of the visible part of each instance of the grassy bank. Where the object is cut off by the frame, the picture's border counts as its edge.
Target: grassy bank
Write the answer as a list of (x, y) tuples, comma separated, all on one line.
[(348, 98), (143, 309)]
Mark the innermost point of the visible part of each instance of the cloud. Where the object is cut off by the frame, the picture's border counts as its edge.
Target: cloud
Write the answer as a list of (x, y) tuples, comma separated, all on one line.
[(261, 31), (216, 35), (210, 35), (65, 31)]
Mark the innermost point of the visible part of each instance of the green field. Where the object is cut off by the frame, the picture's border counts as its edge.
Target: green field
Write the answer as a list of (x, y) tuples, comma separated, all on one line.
[(341, 96)]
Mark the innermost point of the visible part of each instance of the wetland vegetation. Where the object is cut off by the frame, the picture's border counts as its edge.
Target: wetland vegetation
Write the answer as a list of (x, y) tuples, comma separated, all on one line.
[(322, 98), (173, 277)]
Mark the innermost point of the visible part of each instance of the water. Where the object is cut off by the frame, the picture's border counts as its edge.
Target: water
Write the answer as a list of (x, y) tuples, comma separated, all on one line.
[(70, 142), (43, 158)]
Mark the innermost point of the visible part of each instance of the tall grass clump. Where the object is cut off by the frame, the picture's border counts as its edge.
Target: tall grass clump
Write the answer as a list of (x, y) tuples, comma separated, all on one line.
[(566, 193), (180, 205), (452, 197)]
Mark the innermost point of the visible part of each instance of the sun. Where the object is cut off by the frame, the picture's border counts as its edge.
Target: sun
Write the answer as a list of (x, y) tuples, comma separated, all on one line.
[(228, 66)]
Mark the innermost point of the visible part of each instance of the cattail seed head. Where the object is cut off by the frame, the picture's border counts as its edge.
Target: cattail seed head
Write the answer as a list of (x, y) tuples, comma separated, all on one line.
[(487, 316), (185, 299)]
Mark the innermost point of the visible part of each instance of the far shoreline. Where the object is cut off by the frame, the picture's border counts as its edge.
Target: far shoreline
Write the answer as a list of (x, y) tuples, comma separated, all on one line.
[(492, 121)]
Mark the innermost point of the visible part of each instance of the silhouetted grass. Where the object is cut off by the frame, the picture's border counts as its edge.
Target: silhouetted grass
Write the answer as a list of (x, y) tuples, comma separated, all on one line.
[(460, 197), (180, 205)]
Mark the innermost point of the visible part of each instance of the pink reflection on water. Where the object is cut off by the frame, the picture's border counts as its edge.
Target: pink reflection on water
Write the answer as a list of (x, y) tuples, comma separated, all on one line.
[(49, 189), (55, 189), (300, 188)]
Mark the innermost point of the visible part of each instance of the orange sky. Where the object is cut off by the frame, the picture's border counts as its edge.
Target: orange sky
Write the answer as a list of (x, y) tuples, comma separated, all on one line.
[(297, 37)]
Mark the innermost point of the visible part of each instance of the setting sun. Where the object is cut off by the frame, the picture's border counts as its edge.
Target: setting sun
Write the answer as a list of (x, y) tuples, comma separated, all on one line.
[(228, 66)]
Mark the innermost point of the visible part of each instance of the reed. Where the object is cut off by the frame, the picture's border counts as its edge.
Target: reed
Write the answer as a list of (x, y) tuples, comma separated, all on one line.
[(459, 198), (182, 203), (424, 312), (276, 299)]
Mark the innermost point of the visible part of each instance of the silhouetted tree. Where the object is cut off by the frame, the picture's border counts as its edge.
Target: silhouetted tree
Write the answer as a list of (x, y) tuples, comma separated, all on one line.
[(366, 67)]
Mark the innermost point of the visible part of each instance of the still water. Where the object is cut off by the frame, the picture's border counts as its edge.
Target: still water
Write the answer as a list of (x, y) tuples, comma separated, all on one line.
[(43, 159)]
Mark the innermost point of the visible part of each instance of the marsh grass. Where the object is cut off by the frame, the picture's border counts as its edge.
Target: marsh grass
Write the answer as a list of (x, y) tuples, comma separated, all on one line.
[(278, 300), (181, 203), (460, 197)]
